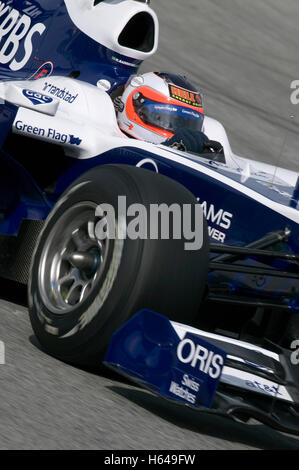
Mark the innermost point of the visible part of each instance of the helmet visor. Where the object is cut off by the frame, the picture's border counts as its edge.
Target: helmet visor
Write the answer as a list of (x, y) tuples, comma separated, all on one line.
[(167, 116)]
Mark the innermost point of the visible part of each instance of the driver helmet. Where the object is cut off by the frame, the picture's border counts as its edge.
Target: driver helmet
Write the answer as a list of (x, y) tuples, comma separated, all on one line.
[(155, 105)]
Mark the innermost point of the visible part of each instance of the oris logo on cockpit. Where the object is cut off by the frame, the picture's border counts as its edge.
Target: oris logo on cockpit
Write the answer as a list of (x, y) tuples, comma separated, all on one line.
[(17, 31)]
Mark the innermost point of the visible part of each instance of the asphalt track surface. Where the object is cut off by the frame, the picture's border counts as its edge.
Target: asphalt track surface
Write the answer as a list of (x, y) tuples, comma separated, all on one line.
[(244, 55)]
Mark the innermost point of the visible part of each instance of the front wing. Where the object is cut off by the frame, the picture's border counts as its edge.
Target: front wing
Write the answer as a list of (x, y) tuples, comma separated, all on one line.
[(208, 372)]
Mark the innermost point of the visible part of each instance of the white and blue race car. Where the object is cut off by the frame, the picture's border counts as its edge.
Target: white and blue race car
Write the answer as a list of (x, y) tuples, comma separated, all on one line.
[(214, 327)]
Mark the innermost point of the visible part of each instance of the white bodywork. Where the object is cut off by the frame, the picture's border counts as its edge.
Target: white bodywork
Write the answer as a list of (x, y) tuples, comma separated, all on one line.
[(105, 22), (87, 113)]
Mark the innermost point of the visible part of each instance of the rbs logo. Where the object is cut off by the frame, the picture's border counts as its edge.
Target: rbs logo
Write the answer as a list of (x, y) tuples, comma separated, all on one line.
[(16, 30), (200, 357), (37, 98)]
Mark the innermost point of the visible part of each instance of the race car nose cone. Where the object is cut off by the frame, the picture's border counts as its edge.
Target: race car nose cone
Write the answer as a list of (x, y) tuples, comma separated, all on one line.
[(84, 261)]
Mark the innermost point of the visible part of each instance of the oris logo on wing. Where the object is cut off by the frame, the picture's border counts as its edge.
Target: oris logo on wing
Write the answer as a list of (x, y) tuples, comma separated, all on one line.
[(37, 98), (207, 361)]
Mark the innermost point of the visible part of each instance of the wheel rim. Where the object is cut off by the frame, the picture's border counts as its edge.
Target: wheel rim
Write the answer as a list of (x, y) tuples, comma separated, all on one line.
[(73, 260)]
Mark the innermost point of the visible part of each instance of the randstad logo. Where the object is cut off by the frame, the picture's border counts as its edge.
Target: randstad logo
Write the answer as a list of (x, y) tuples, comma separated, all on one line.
[(37, 98), (61, 93)]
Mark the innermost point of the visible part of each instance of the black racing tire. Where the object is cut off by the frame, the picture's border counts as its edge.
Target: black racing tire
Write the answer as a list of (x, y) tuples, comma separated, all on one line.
[(75, 323)]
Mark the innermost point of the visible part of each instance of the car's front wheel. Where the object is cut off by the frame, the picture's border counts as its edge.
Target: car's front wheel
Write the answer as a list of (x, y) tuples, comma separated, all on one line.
[(82, 287)]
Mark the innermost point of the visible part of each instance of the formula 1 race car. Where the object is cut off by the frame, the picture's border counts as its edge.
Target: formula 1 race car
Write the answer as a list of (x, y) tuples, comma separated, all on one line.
[(229, 302)]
